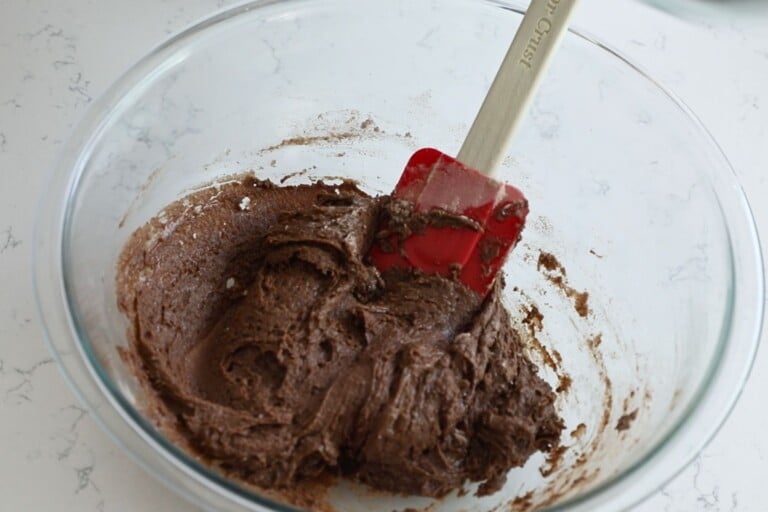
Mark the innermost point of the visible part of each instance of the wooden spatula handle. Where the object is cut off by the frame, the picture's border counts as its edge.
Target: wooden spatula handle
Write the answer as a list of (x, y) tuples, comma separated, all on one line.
[(516, 82)]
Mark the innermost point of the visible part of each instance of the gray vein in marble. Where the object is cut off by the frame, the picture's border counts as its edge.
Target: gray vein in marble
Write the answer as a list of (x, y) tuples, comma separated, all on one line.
[(278, 66), (84, 481), (8, 241), (20, 391), (58, 64), (708, 500), (79, 86), (21, 322), (602, 186), (694, 268), (424, 41), (29, 372), (84, 478), (273, 53), (24, 387), (71, 442), (70, 436), (32, 35)]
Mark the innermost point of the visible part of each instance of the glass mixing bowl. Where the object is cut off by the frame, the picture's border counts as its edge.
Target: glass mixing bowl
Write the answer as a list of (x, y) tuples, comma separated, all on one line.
[(626, 189)]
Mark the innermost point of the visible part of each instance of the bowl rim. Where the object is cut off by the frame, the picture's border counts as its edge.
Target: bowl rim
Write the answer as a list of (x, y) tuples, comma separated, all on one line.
[(737, 346)]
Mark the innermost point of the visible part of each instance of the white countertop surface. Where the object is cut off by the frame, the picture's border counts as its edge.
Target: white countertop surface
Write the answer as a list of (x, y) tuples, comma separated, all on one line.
[(56, 56)]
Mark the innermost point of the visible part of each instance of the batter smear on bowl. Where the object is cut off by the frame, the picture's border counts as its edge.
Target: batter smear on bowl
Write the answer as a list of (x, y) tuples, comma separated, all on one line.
[(279, 354)]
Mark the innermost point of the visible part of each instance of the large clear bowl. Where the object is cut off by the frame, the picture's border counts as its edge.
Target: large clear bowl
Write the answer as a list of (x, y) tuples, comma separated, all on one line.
[(626, 189)]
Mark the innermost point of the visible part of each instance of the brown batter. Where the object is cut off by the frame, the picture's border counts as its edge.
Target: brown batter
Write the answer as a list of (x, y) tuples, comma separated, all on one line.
[(280, 355)]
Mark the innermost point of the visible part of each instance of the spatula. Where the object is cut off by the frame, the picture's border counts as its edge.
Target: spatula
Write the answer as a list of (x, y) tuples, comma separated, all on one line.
[(449, 215)]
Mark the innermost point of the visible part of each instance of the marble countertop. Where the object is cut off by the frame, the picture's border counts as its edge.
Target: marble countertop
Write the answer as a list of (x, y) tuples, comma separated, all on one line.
[(56, 56)]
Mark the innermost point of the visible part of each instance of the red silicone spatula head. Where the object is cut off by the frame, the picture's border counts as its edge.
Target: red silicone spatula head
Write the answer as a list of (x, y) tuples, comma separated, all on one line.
[(456, 221), (448, 218)]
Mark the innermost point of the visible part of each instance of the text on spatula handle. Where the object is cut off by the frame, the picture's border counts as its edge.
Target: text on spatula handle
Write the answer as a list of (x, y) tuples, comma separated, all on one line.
[(543, 26)]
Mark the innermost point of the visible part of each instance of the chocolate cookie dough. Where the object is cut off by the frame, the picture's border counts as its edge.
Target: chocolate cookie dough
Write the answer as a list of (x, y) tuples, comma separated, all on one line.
[(278, 354)]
